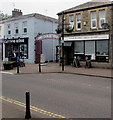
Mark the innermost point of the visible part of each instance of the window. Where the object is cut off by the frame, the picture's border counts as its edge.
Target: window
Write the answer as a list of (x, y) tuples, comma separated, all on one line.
[(25, 27), (16, 28), (8, 29), (102, 18), (89, 47), (93, 20), (102, 48), (78, 22), (24, 51), (71, 21), (79, 47), (102, 51)]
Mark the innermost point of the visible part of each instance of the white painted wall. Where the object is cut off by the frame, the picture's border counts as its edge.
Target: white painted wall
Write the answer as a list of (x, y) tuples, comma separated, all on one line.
[(34, 26)]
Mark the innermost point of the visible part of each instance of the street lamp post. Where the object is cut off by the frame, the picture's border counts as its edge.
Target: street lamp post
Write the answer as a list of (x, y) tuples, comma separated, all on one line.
[(62, 35)]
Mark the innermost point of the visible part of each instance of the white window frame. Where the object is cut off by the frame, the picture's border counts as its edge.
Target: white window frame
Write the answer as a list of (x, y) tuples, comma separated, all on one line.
[(93, 20), (71, 20), (102, 18), (24, 24), (78, 21)]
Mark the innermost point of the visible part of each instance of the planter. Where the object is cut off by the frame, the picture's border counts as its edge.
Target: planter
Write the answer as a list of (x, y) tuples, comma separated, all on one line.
[(58, 30), (8, 65), (69, 29)]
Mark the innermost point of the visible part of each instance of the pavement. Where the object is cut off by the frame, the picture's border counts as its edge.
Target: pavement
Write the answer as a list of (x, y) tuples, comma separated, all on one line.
[(10, 110), (53, 67)]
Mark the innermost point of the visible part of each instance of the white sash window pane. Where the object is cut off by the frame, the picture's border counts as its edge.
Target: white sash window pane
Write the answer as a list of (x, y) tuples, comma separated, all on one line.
[(78, 21), (93, 20), (72, 21), (102, 18)]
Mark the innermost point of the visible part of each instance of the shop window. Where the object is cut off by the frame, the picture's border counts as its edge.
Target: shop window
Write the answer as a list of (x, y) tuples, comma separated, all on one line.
[(102, 50), (93, 20), (102, 18), (90, 49), (24, 51), (78, 22), (79, 49), (8, 50)]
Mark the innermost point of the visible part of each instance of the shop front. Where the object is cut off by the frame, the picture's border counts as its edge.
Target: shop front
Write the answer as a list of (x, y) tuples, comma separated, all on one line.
[(17, 45), (94, 47), (1, 49)]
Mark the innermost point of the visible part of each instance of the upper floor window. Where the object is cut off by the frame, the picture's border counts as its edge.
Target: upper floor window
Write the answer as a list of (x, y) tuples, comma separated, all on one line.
[(102, 18), (71, 19), (9, 29), (78, 21), (93, 20), (25, 27), (16, 28)]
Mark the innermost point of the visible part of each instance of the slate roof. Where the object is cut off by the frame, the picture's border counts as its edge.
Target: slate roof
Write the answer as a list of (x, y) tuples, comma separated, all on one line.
[(88, 5), (36, 15)]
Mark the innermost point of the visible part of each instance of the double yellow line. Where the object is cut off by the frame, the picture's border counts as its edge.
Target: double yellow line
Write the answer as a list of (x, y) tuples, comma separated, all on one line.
[(32, 108)]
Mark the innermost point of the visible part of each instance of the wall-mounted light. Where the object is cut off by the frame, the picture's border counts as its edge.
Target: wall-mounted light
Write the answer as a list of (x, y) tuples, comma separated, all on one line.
[(85, 23)]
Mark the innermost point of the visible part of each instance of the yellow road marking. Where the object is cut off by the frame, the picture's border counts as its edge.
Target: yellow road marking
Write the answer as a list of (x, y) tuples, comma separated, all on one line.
[(31, 107)]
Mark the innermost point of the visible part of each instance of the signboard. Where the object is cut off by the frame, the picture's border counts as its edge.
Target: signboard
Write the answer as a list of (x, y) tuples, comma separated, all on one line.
[(88, 37), (47, 36), (14, 41)]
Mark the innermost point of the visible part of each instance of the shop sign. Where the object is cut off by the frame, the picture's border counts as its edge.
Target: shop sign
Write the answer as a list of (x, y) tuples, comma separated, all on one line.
[(89, 37), (47, 36), (14, 41)]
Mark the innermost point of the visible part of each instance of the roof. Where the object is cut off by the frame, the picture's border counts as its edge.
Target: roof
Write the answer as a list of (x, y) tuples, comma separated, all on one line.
[(36, 15), (88, 5)]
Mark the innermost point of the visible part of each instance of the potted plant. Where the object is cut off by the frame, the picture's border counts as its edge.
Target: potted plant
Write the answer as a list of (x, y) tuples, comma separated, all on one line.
[(8, 65), (58, 30), (69, 29)]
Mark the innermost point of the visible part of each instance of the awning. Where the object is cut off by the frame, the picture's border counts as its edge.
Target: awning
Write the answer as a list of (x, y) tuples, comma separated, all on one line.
[(67, 43), (1, 40)]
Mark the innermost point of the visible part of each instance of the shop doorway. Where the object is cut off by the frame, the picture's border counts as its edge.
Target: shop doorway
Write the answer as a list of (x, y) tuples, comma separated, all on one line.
[(68, 55)]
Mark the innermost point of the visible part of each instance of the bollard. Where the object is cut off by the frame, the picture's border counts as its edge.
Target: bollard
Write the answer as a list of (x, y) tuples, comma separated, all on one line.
[(17, 66), (39, 67), (28, 114)]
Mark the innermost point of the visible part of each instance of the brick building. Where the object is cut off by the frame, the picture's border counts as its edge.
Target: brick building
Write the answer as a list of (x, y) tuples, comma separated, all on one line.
[(88, 33)]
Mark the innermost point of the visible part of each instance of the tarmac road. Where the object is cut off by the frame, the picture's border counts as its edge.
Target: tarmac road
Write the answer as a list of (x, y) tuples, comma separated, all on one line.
[(69, 95)]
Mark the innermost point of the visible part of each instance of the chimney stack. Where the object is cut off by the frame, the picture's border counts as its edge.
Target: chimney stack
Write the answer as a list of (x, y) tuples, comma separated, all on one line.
[(16, 13)]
